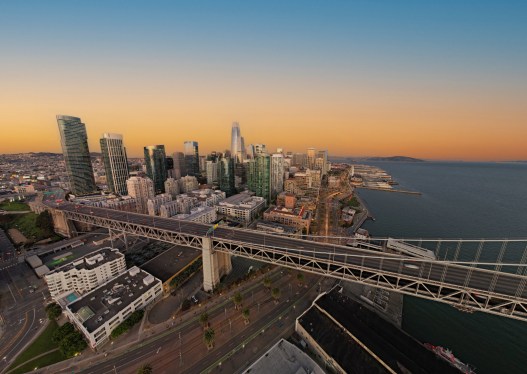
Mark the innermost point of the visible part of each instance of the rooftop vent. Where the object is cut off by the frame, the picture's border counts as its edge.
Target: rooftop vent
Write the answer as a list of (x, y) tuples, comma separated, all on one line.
[(149, 279), (134, 271)]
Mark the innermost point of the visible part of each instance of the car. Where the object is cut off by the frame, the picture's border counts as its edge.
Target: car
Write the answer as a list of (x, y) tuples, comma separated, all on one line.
[(194, 299)]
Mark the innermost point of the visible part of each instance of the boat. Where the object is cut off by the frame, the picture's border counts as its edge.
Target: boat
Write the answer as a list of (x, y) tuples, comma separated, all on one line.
[(448, 356)]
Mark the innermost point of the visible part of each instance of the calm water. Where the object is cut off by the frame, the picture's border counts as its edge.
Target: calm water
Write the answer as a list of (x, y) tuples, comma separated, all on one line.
[(459, 200)]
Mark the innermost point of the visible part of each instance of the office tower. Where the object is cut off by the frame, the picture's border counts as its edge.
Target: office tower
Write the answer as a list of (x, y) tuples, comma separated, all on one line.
[(311, 155), (172, 187), (191, 152), (115, 162), (226, 175), (179, 165), (156, 166), (250, 151), (202, 165), (74, 142), (141, 189), (237, 144), (259, 176), (244, 153), (299, 160), (240, 174), (170, 166), (212, 172), (277, 174), (321, 162)]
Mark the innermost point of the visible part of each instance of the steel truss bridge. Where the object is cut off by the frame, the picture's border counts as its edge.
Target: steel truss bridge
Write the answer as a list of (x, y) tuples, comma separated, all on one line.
[(472, 275)]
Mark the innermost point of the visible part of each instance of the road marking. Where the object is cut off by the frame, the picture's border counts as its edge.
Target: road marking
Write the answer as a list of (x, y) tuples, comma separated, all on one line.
[(11, 292), (28, 330)]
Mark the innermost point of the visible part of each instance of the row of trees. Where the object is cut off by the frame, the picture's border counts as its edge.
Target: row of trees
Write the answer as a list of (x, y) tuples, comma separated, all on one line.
[(128, 323)]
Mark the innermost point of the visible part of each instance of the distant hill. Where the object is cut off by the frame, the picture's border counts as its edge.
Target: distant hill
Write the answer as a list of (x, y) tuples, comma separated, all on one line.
[(395, 158)]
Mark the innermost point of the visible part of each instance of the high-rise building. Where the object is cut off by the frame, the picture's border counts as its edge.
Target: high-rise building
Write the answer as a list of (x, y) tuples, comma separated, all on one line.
[(259, 149), (115, 162), (191, 152), (321, 162), (226, 175), (244, 153), (259, 176), (237, 143), (179, 165), (277, 174), (311, 155), (299, 160), (74, 141), (170, 166), (212, 172), (156, 166), (141, 189), (249, 151), (203, 165)]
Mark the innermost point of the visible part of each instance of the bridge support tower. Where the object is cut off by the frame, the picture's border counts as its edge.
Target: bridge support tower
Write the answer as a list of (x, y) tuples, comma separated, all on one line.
[(215, 265)]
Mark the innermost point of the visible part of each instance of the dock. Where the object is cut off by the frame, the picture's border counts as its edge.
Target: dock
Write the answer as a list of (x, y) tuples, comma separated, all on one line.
[(389, 190)]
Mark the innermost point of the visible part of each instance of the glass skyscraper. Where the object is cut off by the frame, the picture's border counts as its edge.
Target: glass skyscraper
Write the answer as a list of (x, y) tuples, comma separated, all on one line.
[(74, 142), (191, 152), (226, 175), (259, 176), (237, 143), (156, 166), (115, 162)]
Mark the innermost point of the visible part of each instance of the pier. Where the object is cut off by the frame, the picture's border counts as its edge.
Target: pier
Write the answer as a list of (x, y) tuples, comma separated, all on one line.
[(390, 190)]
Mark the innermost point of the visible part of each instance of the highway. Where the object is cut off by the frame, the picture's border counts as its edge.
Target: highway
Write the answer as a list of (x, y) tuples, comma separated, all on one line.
[(396, 272)]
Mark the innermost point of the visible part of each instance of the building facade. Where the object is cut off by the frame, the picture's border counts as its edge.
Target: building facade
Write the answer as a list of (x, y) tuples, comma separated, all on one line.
[(141, 189), (115, 162), (259, 176), (277, 174), (191, 152), (156, 166), (172, 187), (243, 207), (74, 142)]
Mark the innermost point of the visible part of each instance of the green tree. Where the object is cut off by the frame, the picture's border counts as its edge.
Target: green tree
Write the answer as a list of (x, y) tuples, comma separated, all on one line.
[(237, 300), (208, 338), (72, 344), (204, 319), (62, 332), (53, 311), (45, 222), (267, 282), (145, 369), (245, 314), (275, 293)]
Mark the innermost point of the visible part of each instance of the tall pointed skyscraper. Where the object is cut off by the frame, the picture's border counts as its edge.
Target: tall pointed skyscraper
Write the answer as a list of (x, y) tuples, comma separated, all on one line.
[(115, 162), (237, 152), (74, 141)]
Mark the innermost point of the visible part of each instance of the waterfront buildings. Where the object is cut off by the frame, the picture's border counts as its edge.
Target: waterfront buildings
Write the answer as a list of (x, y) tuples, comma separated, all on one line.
[(156, 167), (97, 313), (74, 142), (115, 162), (86, 273), (141, 189), (191, 152)]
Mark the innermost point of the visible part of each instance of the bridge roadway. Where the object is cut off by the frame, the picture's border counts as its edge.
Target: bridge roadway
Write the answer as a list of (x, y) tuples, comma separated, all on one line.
[(464, 286)]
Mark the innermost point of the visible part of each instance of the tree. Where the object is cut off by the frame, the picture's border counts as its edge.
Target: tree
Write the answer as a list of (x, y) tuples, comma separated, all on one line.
[(208, 337), (53, 311), (300, 278), (204, 319), (275, 293), (245, 314), (145, 369), (45, 222), (62, 332), (72, 344), (237, 300), (267, 282)]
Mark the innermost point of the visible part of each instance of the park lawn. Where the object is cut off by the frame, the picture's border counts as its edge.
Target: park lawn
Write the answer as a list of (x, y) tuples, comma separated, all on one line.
[(46, 360), (15, 206), (27, 225), (40, 345)]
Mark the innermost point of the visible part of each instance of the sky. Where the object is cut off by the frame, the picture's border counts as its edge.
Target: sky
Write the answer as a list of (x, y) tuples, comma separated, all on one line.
[(427, 79)]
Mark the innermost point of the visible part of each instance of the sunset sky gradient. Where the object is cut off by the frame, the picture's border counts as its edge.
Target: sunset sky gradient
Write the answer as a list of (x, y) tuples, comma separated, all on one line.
[(427, 79)]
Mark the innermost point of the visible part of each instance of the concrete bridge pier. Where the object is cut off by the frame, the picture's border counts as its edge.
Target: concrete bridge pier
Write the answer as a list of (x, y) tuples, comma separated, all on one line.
[(215, 265)]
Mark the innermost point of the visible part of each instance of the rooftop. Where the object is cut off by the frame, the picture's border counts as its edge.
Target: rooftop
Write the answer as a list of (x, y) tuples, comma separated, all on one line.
[(170, 262), (66, 261), (244, 200), (98, 306)]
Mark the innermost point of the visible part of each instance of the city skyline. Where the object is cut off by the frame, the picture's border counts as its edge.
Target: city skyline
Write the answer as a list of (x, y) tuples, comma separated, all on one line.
[(433, 81)]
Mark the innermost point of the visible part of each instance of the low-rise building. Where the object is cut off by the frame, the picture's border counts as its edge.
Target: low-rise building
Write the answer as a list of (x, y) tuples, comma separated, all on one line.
[(86, 273), (298, 217), (243, 207), (202, 214), (99, 312)]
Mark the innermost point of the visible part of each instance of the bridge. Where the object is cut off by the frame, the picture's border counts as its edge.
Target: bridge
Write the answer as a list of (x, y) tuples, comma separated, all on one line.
[(475, 284)]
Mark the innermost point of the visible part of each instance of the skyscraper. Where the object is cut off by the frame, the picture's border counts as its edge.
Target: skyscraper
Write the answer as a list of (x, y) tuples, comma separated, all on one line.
[(259, 176), (156, 166), (179, 165), (74, 142), (191, 151), (311, 155), (277, 174), (115, 162), (237, 143), (226, 175)]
